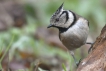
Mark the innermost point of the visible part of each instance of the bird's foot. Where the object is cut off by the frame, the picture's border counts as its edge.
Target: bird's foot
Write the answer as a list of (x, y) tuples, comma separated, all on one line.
[(90, 47), (76, 62), (79, 62)]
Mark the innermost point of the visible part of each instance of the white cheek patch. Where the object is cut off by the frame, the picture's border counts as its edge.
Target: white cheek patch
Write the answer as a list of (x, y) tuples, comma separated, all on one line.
[(63, 15), (70, 20), (63, 18)]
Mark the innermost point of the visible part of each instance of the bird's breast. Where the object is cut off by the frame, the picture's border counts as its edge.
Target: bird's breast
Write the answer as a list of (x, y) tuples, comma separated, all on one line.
[(74, 37)]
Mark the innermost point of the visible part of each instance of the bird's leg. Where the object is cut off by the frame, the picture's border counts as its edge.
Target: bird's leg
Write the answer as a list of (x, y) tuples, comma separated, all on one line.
[(90, 47), (72, 53)]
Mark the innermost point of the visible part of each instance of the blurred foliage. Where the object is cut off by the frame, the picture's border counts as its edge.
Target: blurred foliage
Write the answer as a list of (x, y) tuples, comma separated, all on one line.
[(38, 13)]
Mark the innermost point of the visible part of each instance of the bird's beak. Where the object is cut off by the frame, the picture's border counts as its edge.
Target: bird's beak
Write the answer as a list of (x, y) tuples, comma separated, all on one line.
[(50, 26)]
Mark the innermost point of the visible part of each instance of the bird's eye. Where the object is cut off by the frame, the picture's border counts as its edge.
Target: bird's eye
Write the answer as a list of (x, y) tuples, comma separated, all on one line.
[(57, 19)]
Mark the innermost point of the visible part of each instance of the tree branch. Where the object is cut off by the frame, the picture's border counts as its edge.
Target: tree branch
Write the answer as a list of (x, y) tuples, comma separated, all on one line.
[(96, 60)]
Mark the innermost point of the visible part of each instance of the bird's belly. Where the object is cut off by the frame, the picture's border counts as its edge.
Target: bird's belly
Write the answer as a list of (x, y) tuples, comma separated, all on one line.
[(72, 44), (72, 41)]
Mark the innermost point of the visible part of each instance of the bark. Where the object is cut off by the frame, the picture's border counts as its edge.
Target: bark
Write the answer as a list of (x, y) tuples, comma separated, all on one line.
[(96, 60)]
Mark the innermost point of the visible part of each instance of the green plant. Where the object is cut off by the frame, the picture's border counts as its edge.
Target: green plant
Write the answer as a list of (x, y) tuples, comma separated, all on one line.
[(7, 49)]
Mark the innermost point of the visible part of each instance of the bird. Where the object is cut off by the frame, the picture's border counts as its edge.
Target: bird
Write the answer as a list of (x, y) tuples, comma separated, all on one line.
[(73, 28)]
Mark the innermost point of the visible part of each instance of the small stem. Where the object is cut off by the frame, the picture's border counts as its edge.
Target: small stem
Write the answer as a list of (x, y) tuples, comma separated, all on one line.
[(7, 49), (1, 47), (0, 66), (64, 67)]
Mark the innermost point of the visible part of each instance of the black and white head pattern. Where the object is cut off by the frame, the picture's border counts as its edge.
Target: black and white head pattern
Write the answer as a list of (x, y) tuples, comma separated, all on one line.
[(62, 18)]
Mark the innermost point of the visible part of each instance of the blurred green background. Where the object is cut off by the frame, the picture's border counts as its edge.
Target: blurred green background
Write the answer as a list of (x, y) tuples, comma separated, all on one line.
[(25, 41)]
